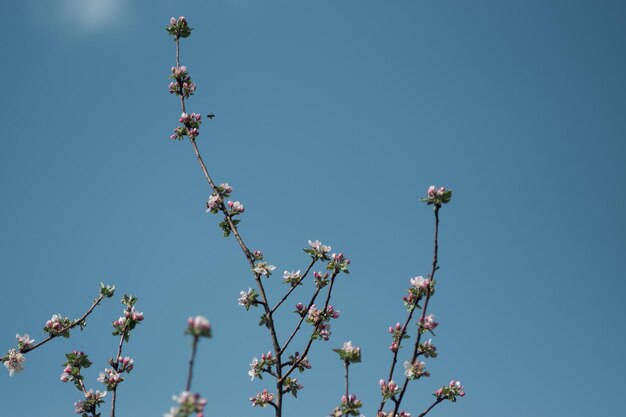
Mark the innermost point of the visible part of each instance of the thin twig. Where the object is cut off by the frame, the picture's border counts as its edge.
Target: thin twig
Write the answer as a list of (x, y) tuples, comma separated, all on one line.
[(116, 364), (423, 413), (194, 347), (311, 302), (310, 342), (82, 386), (428, 294), (282, 300), (244, 248), (395, 353), (347, 365), (66, 328)]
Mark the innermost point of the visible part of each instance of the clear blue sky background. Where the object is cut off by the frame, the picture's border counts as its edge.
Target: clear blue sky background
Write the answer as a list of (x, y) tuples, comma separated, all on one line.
[(332, 118)]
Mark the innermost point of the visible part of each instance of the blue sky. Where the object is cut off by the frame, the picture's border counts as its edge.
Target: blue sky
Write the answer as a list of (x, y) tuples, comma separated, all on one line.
[(332, 118)]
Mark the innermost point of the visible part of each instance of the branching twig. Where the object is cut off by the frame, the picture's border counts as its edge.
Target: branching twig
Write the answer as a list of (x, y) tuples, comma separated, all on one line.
[(310, 342), (423, 413), (244, 248), (81, 320), (116, 364), (347, 365), (428, 294), (282, 300), (192, 359), (311, 302)]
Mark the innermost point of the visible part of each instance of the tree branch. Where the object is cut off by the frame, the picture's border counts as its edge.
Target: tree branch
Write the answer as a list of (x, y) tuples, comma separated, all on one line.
[(63, 330)]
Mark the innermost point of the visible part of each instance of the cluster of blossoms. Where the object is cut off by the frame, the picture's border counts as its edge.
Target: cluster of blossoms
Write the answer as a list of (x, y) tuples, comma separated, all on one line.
[(214, 202), (437, 196), (178, 28), (292, 278), (428, 349), (127, 322), (58, 326), (235, 207), (397, 334), (318, 251), (451, 391), (319, 319), (390, 414), (262, 399), (182, 86), (248, 298), (14, 361), (350, 406), (321, 279), (190, 125), (110, 378), (124, 364), (339, 263), (388, 389), (428, 323), (415, 370), (24, 343), (263, 268), (90, 403), (420, 287), (257, 366), (188, 404), (349, 353), (198, 326), (131, 318)]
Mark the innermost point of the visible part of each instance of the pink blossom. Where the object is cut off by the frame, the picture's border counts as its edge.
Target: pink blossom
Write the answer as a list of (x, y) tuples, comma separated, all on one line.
[(420, 282), (225, 188), (415, 370), (388, 389), (198, 326), (262, 399), (332, 312), (262, 268), (451, 391), (428, 322), (14, 362), (24, 342), (193, 133), (236, 206), (213, 203)]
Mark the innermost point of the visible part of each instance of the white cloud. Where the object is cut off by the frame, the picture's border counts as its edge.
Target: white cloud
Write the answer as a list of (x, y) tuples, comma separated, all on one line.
[(91, 14), (81, 15)]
